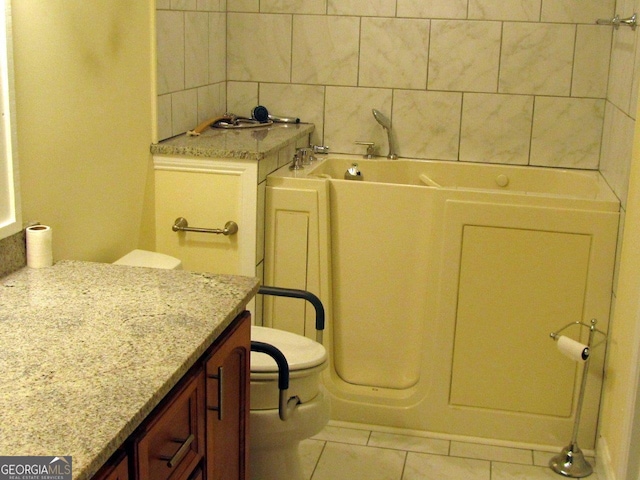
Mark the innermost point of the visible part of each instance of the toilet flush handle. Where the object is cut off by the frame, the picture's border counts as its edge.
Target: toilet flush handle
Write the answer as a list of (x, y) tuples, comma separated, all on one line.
[(285, 405)]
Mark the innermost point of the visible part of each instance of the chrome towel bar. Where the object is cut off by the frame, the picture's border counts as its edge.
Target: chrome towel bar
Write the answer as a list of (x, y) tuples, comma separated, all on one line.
[(182, 225), (617, 21)]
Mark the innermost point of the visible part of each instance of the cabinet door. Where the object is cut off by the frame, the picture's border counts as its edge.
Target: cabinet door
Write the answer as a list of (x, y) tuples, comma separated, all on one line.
[(227, 414), (173, 443)]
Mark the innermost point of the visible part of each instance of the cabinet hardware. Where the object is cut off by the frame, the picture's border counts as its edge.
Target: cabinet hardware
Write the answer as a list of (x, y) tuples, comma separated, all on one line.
[(218, 377), (182, 451), (182, 225)]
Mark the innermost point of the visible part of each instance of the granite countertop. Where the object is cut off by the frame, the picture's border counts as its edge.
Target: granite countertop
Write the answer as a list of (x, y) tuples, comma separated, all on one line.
[(89, 349), (244, 144)]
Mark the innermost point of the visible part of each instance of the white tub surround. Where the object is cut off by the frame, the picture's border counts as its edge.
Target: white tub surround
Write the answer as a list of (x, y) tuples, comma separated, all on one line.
[(443, 281)]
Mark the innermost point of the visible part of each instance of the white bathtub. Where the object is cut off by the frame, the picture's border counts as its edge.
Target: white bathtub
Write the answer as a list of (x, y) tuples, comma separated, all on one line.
[(442, 282)]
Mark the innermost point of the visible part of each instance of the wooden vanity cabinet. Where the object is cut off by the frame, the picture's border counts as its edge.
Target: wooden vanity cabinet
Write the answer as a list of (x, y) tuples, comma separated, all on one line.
[(228, 374), (200, 429)]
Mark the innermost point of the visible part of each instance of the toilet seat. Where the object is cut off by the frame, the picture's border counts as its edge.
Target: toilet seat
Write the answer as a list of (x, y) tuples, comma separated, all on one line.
[(306, 359), (301, 352)]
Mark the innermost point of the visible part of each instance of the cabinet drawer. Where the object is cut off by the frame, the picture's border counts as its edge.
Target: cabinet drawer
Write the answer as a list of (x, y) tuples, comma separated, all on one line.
[(173, 443)]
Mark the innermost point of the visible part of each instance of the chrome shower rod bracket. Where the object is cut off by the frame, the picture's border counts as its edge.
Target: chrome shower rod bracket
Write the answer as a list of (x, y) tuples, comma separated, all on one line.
[(617, 21)]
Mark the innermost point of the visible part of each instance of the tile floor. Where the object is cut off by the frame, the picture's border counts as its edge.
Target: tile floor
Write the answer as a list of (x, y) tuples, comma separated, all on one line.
[(357, 453)]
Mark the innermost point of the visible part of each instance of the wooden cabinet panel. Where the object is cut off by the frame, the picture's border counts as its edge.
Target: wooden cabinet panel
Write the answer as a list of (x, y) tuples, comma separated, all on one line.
[(198, 474), (174, 441), (116, 469), (228, 373)]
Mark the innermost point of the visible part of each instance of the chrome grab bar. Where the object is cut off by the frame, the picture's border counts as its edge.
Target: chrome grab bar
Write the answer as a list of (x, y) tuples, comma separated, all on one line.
[(286, 404), (182, 225), (617, 21)]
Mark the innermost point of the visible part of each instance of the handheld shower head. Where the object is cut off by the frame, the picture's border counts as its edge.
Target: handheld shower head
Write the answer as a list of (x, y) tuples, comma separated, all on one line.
[(381, 119), (386, 124)]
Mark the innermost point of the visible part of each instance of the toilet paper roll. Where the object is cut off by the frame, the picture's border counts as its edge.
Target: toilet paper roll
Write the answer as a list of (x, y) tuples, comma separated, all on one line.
[(39, 246), (572, 349)]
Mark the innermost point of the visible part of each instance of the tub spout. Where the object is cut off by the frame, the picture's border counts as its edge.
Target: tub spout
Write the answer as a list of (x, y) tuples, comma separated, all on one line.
[(386, 124)]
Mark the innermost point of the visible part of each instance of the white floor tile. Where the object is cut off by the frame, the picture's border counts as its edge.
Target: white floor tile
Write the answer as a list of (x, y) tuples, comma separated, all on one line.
[(420, 466), (542, 459), (310, 451), (490, 452), (343, 453), (343, 435), (409, 443), (510, 471), (354, 462)]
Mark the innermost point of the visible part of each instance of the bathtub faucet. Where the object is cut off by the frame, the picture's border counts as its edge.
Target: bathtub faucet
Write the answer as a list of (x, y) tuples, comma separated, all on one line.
[(386, 124)]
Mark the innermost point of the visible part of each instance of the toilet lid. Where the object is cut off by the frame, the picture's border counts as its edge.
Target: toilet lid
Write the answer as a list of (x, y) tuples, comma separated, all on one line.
[(301, 352), (145, 258)]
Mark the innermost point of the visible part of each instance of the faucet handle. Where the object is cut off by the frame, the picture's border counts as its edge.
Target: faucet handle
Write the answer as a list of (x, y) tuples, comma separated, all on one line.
[(306, 155), (296, 163), (324, 149), (371, 148)]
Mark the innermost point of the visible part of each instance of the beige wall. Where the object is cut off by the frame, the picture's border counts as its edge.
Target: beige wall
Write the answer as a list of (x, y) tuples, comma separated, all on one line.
[(620, 164), (85, 119), (619, 396)]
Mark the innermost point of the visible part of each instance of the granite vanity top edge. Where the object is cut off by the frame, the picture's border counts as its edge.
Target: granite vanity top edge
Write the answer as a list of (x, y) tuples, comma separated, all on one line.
[(13, 253), (213, 142), (206, 152)]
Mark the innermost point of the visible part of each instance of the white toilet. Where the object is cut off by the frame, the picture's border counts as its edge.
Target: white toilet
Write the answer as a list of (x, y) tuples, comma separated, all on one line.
[(273, 441)]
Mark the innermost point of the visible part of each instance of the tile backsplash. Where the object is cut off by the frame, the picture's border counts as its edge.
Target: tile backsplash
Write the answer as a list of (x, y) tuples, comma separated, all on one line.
[(509, 81), (191, 58), (13, 253)]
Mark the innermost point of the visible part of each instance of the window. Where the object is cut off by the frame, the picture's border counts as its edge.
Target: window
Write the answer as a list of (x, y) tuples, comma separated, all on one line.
[(10, 214)]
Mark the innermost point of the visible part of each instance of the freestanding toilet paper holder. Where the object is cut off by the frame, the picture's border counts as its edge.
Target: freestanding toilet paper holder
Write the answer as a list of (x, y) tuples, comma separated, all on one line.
[(570, 462)]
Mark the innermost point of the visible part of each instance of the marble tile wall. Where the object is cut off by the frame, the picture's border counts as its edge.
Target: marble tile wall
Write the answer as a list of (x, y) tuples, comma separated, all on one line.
[(191, 60), (515, 81), (622, 101)]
